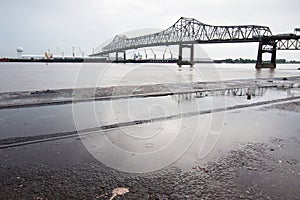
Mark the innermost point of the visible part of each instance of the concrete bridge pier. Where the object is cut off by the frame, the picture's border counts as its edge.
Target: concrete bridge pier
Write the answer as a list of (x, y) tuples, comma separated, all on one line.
[(124, 54), (191, 61), (268, 46)]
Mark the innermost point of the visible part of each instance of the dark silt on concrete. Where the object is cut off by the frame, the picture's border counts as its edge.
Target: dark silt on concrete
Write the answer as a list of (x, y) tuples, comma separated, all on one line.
[(256, 157)]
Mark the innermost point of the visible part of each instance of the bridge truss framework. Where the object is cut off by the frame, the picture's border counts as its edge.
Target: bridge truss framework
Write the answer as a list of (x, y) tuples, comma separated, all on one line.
[(187, 32)]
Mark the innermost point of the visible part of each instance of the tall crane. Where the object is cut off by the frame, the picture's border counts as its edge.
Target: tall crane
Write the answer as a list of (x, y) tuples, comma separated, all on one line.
[(153, 54), (170, 53), (82, 53), (60, 52), (146, 54), (73, 54), (164, 53)]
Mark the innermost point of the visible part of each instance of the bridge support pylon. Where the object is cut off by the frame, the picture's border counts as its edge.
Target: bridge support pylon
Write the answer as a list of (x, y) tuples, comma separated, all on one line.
[(180, 60), (124, 54), (266, 46)]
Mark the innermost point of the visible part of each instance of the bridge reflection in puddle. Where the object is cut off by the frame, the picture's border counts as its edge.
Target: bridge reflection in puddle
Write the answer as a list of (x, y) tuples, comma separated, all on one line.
[(140, 130), (52, 119), (126, 112), (157, 140)]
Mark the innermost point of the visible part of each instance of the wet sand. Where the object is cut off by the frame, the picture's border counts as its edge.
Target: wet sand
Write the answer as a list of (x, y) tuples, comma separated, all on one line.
[(256, 157)]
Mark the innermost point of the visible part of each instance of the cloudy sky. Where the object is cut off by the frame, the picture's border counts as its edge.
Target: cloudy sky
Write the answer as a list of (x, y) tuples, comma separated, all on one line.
[(39, 25)]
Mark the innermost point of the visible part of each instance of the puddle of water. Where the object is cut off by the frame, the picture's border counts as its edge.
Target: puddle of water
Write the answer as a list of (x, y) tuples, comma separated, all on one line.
[(51, 119), (186, 141), (151, 146), (35, 121), (126, 110), (146, 147)]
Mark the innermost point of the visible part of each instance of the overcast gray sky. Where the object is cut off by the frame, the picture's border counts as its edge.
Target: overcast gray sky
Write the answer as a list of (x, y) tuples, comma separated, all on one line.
[(39, 25)]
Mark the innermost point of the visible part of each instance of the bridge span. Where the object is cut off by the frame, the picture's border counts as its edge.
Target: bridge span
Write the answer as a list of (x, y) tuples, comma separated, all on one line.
[(187, 32)]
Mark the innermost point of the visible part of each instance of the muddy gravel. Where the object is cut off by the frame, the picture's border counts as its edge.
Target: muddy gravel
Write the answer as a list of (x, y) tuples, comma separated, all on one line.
[(250, 171)]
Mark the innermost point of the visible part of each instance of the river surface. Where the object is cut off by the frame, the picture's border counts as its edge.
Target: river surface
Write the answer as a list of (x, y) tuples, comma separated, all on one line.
[(40, 76)]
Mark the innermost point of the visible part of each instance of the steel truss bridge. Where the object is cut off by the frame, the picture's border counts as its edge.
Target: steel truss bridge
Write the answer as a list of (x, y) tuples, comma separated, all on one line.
[(187, 32)]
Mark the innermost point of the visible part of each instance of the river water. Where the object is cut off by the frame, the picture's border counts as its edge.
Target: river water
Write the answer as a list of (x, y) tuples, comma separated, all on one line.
[(38, 76)]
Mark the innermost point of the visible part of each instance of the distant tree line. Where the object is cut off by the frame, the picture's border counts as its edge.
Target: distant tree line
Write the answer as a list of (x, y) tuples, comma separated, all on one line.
[(294, 61), (241, 60)]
